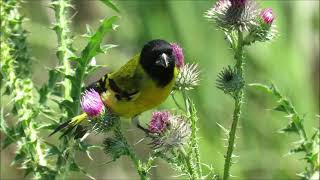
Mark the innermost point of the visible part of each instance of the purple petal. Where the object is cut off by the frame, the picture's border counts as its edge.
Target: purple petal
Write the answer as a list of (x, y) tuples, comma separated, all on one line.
[(177, 52), (159, 121), (267, 16), (91, 103)]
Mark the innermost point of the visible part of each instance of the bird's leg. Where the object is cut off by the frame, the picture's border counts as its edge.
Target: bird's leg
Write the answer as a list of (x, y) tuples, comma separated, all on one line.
[(136, 122)]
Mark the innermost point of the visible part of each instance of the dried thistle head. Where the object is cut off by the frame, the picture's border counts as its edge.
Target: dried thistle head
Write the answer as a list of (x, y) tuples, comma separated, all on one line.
[(168, 131), (188, 77), (234, 14), (230, 81)]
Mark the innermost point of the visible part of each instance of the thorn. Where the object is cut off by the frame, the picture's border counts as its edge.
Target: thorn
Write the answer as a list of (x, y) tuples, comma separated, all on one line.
[(85, 136), (223, 128), (89, 156), (138, 141)]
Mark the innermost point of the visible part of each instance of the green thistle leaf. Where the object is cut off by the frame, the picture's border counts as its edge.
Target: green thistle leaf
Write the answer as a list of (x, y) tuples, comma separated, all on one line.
[(111, 5), (93, 46)]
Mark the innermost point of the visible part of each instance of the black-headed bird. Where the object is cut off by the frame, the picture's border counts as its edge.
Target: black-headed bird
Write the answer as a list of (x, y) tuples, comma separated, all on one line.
[(141, 84)]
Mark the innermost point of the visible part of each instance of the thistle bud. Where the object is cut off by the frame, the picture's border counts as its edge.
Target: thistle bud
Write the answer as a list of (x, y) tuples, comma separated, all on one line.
[(168, 131), (267, 16), (188, 77), (177, 52), (230, 81)]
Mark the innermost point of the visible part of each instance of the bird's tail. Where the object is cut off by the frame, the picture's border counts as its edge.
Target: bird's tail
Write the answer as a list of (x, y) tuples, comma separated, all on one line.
[(71, 124)]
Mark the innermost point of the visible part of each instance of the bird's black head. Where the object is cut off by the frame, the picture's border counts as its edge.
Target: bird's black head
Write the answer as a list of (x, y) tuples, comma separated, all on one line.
[(157, 60)]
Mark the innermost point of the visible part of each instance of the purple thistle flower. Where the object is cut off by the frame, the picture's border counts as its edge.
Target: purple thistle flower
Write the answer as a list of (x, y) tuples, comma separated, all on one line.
[(159, 121), (238, 2), (91, 103), (267, 16), (168, 131), (177, 52)]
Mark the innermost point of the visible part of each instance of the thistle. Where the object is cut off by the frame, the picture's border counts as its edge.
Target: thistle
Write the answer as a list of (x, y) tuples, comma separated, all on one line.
[(230, 81), (100, 117), (234, 14), (265, 31), (188, 77), (267, 16), (168, 131), (91, 103)]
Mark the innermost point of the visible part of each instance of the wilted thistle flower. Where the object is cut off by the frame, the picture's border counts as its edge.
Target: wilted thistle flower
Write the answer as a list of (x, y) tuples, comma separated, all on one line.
[(177, 52), (234, 14), (188, 77), (91, 103), (230, 81), (168, 131)]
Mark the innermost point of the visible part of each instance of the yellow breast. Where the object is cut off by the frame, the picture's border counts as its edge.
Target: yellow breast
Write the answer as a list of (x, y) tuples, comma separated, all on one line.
[(149, 97)]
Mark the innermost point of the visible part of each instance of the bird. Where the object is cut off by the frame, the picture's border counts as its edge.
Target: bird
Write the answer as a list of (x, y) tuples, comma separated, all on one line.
[(141, 84)]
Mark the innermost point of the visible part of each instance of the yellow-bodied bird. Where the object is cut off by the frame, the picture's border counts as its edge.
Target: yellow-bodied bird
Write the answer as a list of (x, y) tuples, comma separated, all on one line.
[(141, 84)]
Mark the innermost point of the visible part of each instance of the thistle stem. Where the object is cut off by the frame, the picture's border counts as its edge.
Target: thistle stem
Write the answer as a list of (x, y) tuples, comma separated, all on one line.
[(188, 163), (64, 40), (237, 108), (130, 152), (176, 103), (194, 137)]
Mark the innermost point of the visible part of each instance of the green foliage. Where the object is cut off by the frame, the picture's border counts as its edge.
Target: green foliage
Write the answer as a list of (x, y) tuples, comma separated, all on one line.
[(35, 113), (30, 149), (90, 51), (308, 146), (111, 5)]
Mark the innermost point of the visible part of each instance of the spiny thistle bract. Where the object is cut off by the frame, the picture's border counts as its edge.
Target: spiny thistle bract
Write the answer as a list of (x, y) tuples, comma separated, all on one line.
[(168, 131), (234, 14), (188, 77), (230, 81), (115, 147)]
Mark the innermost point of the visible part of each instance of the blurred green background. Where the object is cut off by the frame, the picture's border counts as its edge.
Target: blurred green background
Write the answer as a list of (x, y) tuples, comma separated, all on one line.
[(291, 62)]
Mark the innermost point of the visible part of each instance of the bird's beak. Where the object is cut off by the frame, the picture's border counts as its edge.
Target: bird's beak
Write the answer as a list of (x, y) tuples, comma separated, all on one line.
[(163, 61)]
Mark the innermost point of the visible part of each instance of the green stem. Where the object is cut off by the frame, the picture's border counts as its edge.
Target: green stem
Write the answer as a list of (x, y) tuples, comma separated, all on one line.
[(176, 103), (137, 163), (64, 53), (64, 41), (237, 108), (188, 163), (186, 101), (194, 139)]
